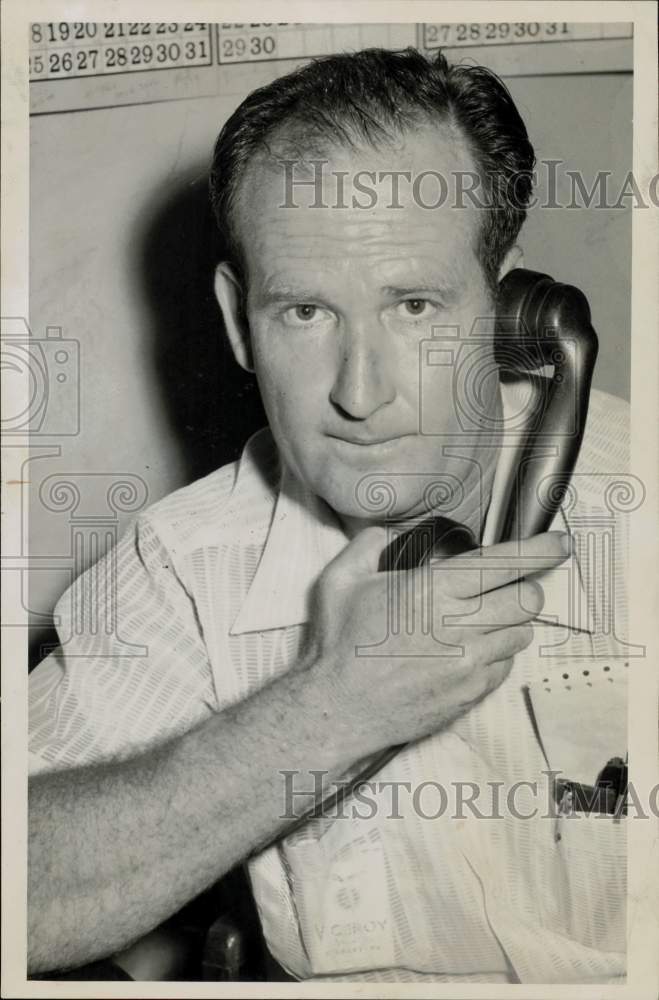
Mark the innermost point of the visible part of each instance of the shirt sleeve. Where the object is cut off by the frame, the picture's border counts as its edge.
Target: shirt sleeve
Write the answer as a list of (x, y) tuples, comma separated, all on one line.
[(131, 669)]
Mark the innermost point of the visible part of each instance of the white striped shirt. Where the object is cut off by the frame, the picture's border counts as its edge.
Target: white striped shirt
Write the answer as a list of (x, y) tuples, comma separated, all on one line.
[(205, 600)]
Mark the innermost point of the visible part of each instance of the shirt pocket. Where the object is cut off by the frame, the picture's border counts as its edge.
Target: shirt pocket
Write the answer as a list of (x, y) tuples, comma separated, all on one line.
[(342, 901), (591, 873)]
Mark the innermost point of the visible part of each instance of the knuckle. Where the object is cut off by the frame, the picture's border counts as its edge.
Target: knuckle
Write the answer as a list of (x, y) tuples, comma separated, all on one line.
[(505, 666), (490, 678), (524, 636), (532, 597), (476, 655), (498, 672), (324, 593), (326, 579)]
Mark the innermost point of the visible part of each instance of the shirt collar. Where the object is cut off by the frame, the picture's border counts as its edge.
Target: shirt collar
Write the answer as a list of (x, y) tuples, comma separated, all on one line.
[(305, 535)]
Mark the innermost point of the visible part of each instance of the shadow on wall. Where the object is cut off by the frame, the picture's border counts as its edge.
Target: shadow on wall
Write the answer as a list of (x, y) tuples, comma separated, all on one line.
[(211, 404)]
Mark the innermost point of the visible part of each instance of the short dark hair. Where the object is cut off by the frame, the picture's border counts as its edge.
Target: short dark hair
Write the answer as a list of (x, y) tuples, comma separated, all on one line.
[(373, 96)]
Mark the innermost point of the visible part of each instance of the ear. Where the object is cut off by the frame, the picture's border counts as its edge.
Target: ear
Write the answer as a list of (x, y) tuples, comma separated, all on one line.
[(514, 258), (230, 296)]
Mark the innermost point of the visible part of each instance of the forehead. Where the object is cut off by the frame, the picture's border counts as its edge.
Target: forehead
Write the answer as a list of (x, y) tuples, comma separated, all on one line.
[(351, 204)]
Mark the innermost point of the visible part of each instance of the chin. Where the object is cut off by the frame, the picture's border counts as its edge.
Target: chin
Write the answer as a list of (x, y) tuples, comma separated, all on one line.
[(373, 498), (371, 491)]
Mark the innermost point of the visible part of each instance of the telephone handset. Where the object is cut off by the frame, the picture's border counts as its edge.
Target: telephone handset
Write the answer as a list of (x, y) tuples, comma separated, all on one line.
[(540, 325)]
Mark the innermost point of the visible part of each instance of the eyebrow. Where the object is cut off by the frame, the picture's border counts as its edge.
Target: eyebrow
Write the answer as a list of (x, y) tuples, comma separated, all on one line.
[(288, 293), (449, 293), (273, 292)]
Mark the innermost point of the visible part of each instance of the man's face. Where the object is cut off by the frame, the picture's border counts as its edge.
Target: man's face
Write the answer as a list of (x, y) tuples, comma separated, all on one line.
[(339, 301)]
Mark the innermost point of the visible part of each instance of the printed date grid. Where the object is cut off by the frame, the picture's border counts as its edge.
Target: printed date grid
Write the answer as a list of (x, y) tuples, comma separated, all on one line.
[(68, 49)]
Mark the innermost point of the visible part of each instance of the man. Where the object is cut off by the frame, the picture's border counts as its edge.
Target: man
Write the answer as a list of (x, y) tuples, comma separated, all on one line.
[(269, 653)]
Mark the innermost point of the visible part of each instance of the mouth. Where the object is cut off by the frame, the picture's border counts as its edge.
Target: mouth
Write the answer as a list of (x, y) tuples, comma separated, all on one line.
[(368, 443)]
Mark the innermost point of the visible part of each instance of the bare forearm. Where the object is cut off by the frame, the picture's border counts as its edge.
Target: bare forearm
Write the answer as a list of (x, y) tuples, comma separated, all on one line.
[(116, 849)]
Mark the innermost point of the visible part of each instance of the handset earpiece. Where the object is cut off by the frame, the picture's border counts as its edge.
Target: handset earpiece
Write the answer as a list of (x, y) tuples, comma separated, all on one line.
[(542, 324)]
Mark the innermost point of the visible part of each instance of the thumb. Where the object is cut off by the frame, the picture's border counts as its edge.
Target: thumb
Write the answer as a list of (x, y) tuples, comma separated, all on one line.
[(360, 557)]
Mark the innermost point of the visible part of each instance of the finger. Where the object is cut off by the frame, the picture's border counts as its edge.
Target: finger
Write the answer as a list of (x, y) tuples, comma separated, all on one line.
[(514, 604), (495, 566), (485, 678), (503, 644)]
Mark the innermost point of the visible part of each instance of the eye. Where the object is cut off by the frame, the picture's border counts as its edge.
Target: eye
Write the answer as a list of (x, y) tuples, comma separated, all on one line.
[(416, 308), (305, 312)]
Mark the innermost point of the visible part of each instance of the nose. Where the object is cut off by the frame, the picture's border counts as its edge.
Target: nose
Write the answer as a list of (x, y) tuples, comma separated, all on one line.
[(364, 380)]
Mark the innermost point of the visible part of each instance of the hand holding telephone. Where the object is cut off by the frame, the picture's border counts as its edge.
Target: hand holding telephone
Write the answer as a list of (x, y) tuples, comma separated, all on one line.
[(544, 339)]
